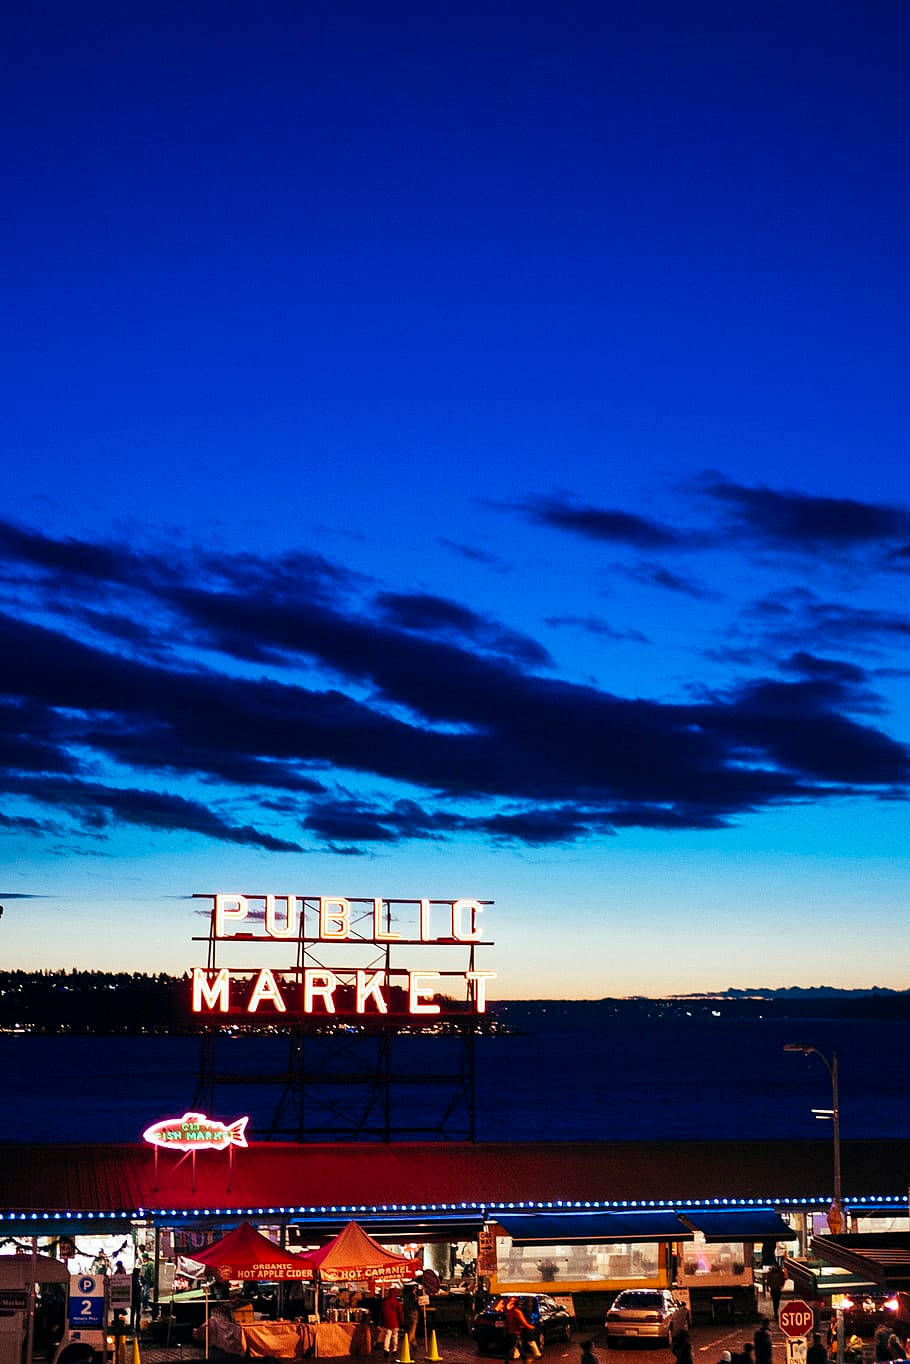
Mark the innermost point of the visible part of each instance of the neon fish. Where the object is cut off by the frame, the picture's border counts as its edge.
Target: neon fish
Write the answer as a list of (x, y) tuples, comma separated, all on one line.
[(194, 1130)]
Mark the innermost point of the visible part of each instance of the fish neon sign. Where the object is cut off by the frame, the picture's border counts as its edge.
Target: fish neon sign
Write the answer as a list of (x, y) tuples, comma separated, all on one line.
[(194, 1131)]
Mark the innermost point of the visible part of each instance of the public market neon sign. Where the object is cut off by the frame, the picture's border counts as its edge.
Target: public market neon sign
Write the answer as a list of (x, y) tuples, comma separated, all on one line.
[(314, 922)]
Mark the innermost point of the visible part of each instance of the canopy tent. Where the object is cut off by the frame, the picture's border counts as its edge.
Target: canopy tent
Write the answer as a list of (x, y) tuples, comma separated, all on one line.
[(245, 1254), (353, 1256)]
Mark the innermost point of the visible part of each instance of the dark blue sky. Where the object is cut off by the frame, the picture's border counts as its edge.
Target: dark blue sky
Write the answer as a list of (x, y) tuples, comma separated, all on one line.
[(461, 453)]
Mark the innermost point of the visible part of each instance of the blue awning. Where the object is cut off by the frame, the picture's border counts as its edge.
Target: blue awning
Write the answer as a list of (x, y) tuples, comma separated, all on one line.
[(587, 1228), (740, 1224)]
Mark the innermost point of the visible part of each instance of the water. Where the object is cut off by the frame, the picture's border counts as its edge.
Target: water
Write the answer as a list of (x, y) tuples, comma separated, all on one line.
[(652, 1079)]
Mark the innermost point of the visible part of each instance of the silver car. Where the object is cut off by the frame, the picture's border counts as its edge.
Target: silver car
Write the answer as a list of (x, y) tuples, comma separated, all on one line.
[(646, 1313)]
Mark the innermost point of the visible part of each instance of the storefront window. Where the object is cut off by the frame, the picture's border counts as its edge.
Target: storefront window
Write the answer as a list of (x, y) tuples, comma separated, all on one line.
[(879, 1222), (700, 1260), (567, 1264)]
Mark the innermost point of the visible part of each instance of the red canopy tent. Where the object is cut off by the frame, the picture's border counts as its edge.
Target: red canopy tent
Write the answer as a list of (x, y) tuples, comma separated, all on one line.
[(245, 1254), (353, 1256)]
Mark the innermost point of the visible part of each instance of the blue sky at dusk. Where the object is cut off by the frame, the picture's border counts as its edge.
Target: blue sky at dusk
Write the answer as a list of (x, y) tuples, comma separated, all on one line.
[(461, 452)]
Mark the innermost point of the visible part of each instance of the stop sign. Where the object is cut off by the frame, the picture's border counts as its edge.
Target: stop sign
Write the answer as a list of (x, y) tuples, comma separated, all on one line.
[(795, 1318)]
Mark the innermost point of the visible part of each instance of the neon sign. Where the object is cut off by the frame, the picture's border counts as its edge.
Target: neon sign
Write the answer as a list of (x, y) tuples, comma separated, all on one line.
[(194, 1132), (353, 986)]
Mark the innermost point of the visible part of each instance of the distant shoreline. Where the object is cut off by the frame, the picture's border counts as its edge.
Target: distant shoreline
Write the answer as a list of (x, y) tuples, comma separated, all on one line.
[(116, 1003)]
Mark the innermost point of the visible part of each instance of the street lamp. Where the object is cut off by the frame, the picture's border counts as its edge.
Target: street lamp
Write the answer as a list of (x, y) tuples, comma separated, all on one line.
[(836, 1213)]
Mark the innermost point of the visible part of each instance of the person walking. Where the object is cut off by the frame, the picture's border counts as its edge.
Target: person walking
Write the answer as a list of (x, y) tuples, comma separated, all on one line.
[(881, 1342), (816, 1353), (682, 1348), (764, 1352), (411, 1310), (588, 1353), (775, 1280), (520, 1341), (392, 1322), (746, 1355)]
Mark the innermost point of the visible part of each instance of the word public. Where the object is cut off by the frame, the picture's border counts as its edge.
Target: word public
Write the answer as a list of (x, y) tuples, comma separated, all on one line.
[(334, 916)]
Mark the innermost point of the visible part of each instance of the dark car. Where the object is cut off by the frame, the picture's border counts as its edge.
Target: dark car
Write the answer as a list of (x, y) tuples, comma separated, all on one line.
[(549, 1319), (646, 1314), (865, 1311)]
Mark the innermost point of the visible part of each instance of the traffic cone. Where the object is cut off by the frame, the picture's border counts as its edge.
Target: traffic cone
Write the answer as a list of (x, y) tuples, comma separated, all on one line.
[(404, 1354), (434, 1354), (137, 1357)]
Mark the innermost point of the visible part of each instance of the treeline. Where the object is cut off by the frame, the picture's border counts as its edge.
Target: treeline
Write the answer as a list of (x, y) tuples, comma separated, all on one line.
[(133, 1002), (130, 1002), (529, 1015), (93, 1002)]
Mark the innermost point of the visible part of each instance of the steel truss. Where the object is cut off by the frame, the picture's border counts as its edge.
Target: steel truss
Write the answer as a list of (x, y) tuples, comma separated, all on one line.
[(354, 1078)]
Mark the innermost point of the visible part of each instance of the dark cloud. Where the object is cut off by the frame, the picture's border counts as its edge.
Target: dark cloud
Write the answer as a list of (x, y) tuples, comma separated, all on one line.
[(655, 575), (97, 805), (427, 614), (809, 665), (802, 521), (423, 692), (70, 558), (595, 625), (25, 824), (604, 524), (474, 554), (800, 617)]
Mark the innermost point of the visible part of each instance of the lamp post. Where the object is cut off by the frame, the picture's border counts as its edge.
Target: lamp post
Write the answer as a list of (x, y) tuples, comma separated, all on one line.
[(836, 1213)]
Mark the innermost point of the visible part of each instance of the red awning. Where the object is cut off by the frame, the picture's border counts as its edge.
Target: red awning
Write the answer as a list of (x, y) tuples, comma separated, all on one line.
[(245, 1254), (354, 1255)]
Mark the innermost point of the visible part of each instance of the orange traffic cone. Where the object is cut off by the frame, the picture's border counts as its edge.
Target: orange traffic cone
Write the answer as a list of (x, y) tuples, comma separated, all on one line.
[(434, 1354), (137, 1357)]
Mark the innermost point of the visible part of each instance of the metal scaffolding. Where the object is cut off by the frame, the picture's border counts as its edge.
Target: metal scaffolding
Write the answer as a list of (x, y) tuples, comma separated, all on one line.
[(350, 1077)]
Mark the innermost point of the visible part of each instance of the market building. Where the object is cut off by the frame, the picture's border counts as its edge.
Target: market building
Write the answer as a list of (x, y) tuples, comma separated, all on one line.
[(579, 1219)]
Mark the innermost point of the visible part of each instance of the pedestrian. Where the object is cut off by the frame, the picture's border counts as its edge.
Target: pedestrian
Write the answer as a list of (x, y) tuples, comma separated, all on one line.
[(881, 1342), (896, 1347), (147, 1278), (764, 1352), (392, 1322), (588, 1355), (520, 1342), (725, 1357), (411, 1310), (682, 1348), (816, 1353), (775, 1279)]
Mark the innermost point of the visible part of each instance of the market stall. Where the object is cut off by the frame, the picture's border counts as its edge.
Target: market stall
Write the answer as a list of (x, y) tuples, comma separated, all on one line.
[(245, 1256), (350, 1258)]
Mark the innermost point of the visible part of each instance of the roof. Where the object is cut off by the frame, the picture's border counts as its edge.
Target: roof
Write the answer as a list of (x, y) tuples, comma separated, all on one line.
[(749, 1224), (818, 1281), (342, 1181), (642, 1224), (883, 1257)]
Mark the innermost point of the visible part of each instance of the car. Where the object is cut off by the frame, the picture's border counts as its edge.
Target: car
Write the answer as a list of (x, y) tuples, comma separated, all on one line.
[(549, 1318), (646, 1314), (865, 1310)]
